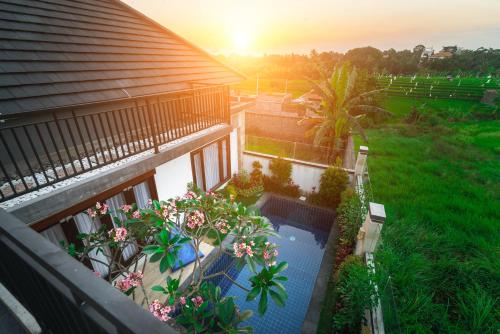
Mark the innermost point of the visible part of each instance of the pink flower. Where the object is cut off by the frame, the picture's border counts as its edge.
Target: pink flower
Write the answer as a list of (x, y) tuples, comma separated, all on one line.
[(159, 310), (168, 209), (269, 253), (97, 205), (96, 273), (91, 213), (222, 226), (182, 300), (197, 301), (150, 202), (123, 285), (119, 234), (190, 195), (126, 208), (136, 214), (195, 219), (104, 209), (132, 280), (242, 248)]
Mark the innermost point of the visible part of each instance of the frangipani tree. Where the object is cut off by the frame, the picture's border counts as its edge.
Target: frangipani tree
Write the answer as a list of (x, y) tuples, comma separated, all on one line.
[(341, 108), (161, 230)]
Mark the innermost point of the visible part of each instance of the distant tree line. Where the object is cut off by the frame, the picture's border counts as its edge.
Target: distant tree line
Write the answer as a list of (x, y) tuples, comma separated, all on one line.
[(478, 62)]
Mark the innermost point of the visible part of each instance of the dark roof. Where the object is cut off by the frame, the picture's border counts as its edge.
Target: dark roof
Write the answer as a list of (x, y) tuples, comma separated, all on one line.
[(56, 53)]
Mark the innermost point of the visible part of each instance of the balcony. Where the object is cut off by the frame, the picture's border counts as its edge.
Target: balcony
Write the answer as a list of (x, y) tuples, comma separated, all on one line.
[(46, 147), (59, 292)]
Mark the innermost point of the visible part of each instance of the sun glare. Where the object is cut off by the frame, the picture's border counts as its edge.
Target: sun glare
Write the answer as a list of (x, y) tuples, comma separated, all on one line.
[(242, 40)]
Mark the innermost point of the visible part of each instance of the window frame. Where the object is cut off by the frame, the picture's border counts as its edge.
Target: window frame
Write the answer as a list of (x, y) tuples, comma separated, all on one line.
[(221, 167)]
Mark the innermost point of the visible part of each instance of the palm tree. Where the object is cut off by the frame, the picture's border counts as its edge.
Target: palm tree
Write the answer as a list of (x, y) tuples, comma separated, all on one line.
[(341, 107)]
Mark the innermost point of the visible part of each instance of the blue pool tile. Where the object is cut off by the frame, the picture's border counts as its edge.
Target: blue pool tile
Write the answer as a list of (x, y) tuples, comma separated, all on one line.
[(303, 234)]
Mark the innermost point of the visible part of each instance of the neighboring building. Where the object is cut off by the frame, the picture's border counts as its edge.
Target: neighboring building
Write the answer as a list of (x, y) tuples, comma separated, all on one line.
[(446, 52), (100, 103), (427, 53)]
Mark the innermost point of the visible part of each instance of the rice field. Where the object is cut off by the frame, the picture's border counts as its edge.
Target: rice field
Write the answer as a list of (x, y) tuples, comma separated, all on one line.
[(439, 179)]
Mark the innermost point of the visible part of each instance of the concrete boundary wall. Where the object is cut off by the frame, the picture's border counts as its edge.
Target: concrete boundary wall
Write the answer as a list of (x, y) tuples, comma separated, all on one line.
[(306, 174)]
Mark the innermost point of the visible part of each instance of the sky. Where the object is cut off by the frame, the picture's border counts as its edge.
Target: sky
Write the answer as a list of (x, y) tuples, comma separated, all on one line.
[(280, 26)]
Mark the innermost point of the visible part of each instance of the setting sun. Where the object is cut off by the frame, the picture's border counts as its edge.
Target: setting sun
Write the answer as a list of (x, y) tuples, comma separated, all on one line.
[(242, 40)]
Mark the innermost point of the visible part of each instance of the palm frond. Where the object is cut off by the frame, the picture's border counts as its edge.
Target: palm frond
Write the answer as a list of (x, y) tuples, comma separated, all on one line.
[(368, 109), (325, 93), (359, 128), (359, 98)]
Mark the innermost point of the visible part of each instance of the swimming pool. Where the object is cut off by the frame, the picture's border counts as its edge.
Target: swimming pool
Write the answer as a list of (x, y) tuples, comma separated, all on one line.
[(304, 232)]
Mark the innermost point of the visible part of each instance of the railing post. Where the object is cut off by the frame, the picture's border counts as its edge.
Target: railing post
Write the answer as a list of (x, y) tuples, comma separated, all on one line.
[(369, 233), (152, 126), (360, 166)]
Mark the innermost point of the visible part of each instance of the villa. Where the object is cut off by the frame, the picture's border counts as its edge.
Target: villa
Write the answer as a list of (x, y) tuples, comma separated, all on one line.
[(100, 103)]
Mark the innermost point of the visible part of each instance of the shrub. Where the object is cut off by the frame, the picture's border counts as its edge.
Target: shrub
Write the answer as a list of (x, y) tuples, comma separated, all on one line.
[(256, 176), (280, 181), (354, 291), (281, 170), (333, 182), (245, 185), (350, 214)]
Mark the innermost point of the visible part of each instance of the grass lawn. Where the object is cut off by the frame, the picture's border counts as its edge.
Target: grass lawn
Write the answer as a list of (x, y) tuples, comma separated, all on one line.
[(439, 180), (287, 149), (295, 87)]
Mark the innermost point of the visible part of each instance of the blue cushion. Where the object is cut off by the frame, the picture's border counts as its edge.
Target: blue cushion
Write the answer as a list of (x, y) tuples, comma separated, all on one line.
[(185, 255)]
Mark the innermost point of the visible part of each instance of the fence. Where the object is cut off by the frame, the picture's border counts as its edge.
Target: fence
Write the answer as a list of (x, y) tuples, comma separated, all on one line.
[(55, 145), (293, 150), (60, 292)]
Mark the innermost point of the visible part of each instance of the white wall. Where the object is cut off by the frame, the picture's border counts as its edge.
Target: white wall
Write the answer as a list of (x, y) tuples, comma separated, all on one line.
[(173, 176), (306, 176), (233, 140)]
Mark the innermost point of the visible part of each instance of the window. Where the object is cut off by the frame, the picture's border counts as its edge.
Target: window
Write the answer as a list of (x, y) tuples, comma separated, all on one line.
[(211, 164), (67, 229)]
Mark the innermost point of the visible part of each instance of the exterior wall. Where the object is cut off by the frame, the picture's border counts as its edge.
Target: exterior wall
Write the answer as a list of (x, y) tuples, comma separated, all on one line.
[(233, 142), (306, 175), (173, 176), (237, 140)]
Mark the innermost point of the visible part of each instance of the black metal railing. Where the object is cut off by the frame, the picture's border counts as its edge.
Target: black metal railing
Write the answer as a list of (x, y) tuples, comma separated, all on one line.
[(43, 148), (60, 292)]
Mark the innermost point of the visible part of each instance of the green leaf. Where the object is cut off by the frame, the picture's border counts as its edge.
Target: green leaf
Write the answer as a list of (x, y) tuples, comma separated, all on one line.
[(251, 264), (164, 236), (149, 249), (170, 260), (263, 303), (117, 221), (280, 289), (245, 329), (281, 278), (280, 267), (247, 314), (155, 257), (164, 264), (253, 293), (278, 299), (158, 288)]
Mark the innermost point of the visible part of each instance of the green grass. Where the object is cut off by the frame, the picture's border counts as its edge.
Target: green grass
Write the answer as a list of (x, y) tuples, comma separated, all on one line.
[(437, 87), (286, 149), (440, 184), (295, 87)]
